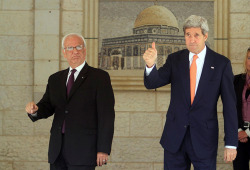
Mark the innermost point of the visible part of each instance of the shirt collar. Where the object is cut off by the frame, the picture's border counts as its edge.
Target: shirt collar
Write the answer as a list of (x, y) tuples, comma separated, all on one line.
[(201, 55), (79, 68)]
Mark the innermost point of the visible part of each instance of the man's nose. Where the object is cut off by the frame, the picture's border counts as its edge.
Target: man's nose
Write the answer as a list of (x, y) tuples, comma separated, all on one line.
[(192, 39), (75, 50)]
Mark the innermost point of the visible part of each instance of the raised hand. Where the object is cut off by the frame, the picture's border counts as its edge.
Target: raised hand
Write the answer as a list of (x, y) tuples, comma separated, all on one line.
[(150, 55)]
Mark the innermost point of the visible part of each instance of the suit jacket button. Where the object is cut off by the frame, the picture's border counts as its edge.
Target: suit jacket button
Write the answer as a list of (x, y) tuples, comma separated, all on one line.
[(185, 126), (66, 111)]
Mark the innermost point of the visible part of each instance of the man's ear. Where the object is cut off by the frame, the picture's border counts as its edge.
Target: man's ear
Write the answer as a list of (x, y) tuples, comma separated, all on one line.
[(64, 53), (206, 36)]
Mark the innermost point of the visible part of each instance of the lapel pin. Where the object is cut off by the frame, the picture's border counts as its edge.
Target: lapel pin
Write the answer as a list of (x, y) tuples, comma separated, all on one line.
[(212, 67)]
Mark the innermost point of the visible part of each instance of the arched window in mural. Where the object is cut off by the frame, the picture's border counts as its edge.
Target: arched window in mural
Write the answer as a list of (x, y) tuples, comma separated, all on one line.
[(160, 50), (135, 50), (169, 50), (176, 49), (128, 51), (115, 63), (160, 61)]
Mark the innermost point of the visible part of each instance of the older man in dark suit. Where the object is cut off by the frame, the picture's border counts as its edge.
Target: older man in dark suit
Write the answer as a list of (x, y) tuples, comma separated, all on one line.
[(82, 101), (198, 76)]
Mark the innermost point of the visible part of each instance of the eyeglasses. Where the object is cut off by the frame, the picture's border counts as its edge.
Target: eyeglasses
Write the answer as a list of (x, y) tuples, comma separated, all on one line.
[(79, 47)]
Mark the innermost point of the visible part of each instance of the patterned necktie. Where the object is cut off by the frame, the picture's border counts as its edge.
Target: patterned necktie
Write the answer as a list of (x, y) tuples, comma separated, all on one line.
[(193, 72), (69, 86)]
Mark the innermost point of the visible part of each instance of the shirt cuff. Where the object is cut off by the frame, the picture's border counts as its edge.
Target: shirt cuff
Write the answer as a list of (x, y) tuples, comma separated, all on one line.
[(34, 114), (230, 147), (148, 70), (248, 132)]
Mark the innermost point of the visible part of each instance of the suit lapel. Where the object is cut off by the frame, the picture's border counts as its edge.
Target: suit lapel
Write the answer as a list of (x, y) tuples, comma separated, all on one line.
[(79, 80), (206, 73), (184, 65)]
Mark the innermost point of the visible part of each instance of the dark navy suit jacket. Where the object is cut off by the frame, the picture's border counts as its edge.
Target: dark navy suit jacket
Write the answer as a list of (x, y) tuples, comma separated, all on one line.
[(216, 80)]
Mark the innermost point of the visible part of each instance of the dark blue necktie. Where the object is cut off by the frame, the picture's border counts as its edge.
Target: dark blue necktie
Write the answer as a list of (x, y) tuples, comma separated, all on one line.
[(69, 86)]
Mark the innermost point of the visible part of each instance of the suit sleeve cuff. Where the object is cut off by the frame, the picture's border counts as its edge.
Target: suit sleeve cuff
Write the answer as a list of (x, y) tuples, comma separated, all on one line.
[(148, 70)]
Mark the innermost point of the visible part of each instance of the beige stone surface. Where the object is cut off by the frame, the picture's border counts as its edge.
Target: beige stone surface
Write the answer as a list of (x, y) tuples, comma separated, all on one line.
[(17, 5), (1, 122), (164, 116), (91, 18), (16, 48), (24, 148), (221, 129), (43, 126), (239, 6), (72, 22), (136, 150), (126, 166), (43, 69), (14, 97), (39, 89), (47, 4), (47, 22), (239, 25), (225, 166), (238, 68), (219, 105), (16, 73), (31, 165), (146, 124), (158, 166), (122, 124), (64, 65), (17, 123), (238, 49), (131, 101), (92, 51), (16, 23), (47, 47), (72, 5), (6, 166), (162, 100)]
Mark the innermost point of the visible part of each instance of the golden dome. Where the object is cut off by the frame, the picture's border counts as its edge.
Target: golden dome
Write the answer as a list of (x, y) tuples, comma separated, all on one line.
[(156, 15)]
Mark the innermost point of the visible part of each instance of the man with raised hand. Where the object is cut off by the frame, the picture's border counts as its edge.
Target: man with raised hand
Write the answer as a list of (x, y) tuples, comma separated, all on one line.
[(198, 76)]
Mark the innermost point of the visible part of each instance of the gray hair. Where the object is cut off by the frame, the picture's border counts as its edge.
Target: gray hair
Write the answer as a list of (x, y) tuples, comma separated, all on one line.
[(74, 34), (195, 21)]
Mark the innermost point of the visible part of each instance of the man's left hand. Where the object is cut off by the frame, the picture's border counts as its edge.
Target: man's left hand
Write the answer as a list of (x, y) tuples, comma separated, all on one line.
[(102, 158), (229, 154)]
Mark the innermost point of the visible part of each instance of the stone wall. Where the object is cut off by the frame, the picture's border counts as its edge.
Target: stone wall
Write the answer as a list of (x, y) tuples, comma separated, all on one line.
[(30, 35)]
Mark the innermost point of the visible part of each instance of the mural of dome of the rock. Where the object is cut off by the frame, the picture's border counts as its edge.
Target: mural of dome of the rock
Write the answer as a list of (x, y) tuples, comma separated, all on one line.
[(153, 24)]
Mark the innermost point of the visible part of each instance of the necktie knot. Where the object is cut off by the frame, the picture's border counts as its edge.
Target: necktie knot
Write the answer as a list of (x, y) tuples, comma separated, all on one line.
[(195, 57), (71, 81), (73, 71)]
